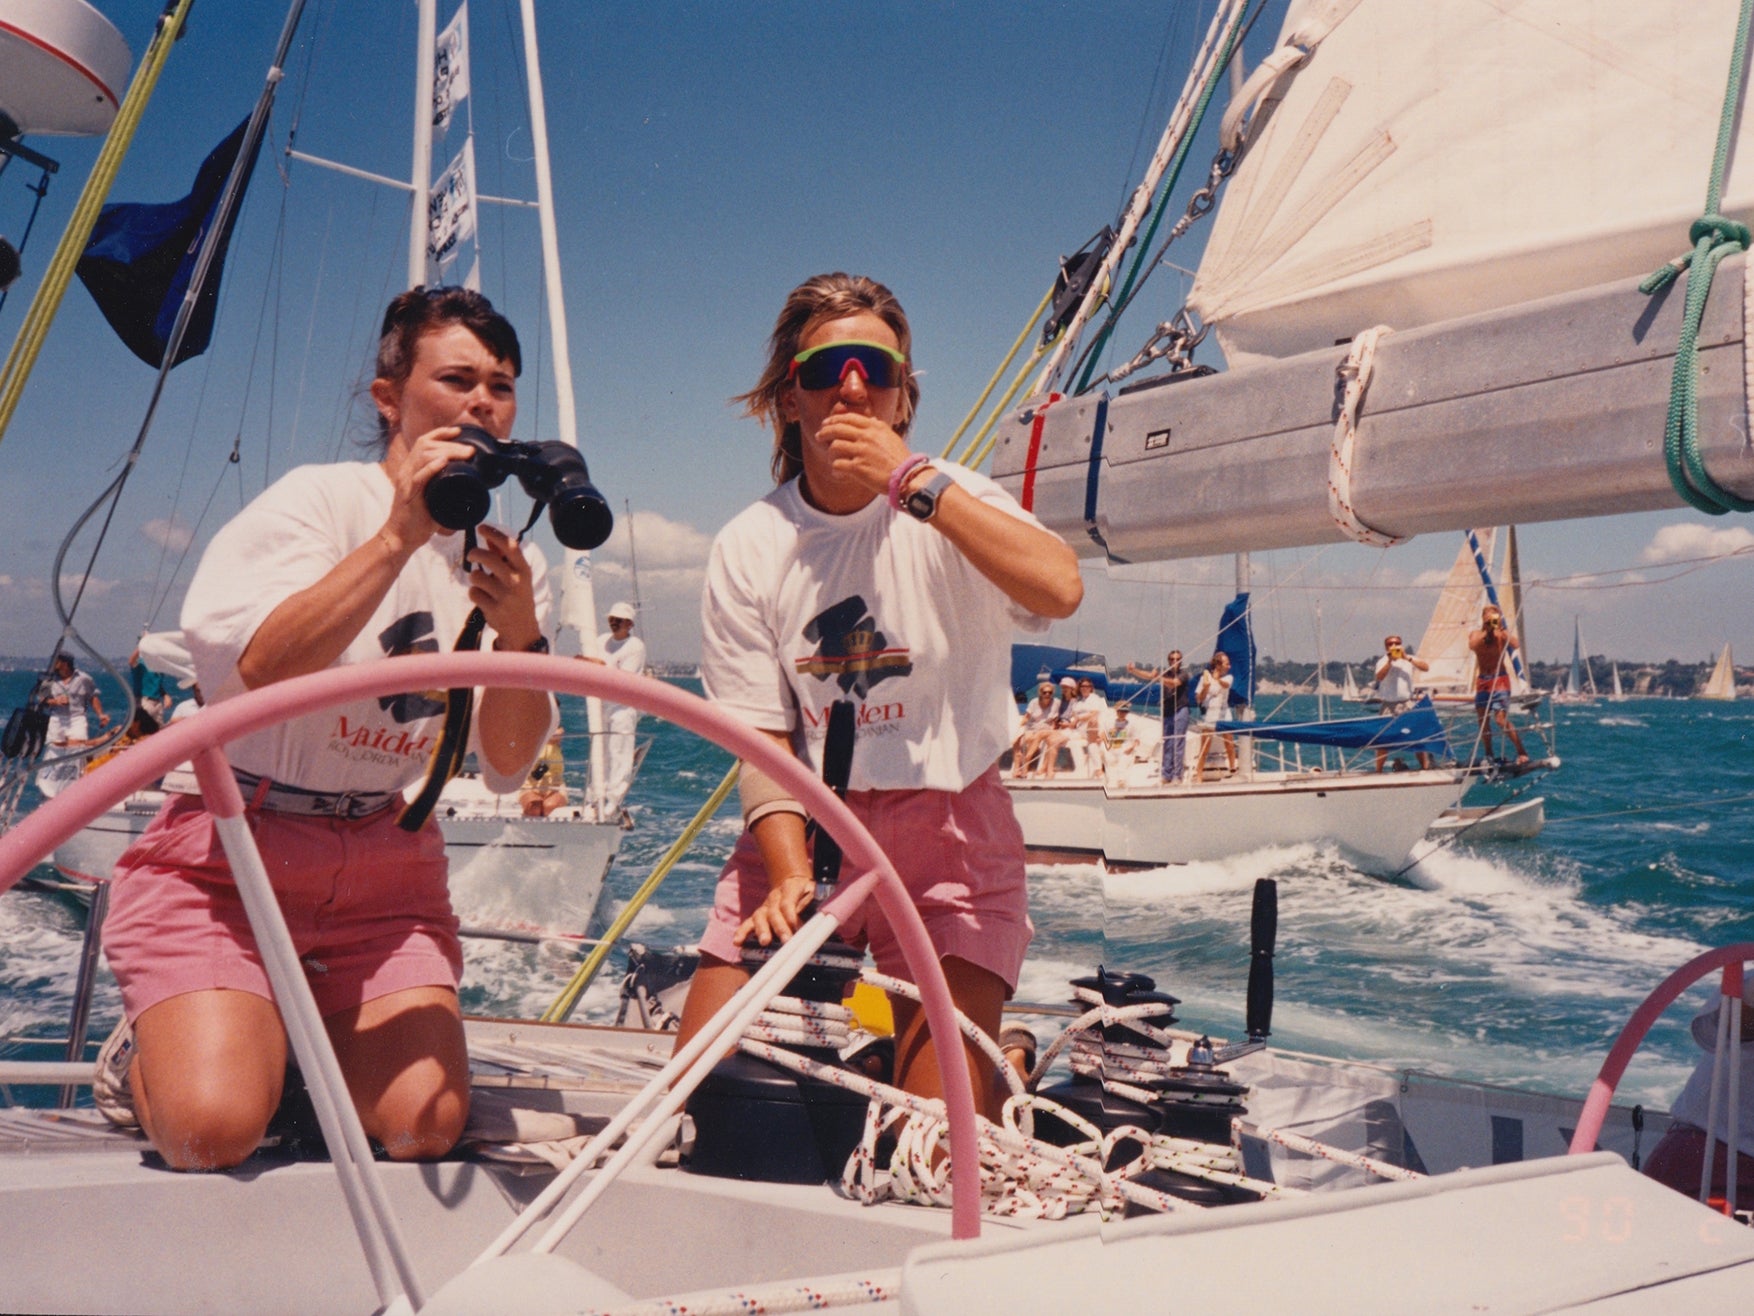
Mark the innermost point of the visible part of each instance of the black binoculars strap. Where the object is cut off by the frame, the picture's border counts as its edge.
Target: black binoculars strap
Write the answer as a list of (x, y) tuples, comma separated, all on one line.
[(453, 745), (837, 771)]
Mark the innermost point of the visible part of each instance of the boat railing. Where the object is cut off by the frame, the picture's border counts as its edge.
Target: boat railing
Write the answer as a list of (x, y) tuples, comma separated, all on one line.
[(200, 740)]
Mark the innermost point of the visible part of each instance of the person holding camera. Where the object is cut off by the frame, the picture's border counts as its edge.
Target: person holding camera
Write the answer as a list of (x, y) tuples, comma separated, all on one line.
[(892, 581), (1213, 696), (1394, 687), (336, 565), (1177, 703), (1492, 646)]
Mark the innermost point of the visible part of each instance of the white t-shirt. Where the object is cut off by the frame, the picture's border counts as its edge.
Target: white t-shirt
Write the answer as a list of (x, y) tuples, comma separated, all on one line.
[(1396, 685), (67, 721), (291, 536), (1090, 710), (802, 608), (1035, 716), (1215, 695), (627, 655)]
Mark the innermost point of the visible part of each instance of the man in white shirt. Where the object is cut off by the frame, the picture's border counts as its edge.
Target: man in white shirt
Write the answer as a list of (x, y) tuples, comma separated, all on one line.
[(71, 693), (1394, 687), (625, 652)]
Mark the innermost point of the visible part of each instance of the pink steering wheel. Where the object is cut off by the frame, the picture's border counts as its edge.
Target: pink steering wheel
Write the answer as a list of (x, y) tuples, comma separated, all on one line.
[(200, 739), (1595, 1107)]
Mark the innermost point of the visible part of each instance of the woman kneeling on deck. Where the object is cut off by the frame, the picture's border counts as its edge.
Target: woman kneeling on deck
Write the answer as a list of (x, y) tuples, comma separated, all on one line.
[(332, 566), (879, 577)]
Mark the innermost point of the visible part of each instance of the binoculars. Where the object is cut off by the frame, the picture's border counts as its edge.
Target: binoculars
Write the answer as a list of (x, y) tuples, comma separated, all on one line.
[(552, 473)]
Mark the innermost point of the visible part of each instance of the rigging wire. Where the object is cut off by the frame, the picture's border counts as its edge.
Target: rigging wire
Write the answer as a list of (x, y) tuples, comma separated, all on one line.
[(1138, 272)]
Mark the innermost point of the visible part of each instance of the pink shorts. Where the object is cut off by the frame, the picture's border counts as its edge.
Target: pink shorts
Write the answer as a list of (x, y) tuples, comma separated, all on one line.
[(368, 906), (960, 856)]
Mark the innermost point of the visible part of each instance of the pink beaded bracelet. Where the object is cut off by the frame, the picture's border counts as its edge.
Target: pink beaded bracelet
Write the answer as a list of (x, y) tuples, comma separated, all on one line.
[(899, 475)]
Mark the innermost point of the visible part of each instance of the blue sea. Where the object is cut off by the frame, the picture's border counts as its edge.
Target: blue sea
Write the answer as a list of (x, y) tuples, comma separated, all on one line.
[(1512, 962)]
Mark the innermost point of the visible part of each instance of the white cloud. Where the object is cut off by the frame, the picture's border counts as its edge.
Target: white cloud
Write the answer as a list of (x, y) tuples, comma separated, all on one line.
[(95, 588), (1690, 540), (658, 543), (168, 532)]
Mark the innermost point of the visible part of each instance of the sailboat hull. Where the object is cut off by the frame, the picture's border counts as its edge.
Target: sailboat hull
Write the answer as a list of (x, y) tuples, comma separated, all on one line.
[(1374, 819)]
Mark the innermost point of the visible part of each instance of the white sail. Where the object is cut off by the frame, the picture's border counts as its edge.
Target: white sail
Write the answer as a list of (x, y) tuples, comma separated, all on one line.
[(1380, 192), (1721, 684), (1619, 693), (1349, 691)]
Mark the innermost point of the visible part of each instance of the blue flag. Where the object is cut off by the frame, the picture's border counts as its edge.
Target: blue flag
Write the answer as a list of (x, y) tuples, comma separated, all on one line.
[(141, 256)]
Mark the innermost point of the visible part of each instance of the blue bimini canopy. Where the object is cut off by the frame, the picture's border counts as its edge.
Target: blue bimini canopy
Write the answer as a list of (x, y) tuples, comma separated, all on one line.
[(1035, 662), (1417, 729)]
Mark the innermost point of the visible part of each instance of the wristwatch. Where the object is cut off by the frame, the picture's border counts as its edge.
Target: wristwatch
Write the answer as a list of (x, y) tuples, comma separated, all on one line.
[(538, 645), (922, 503)]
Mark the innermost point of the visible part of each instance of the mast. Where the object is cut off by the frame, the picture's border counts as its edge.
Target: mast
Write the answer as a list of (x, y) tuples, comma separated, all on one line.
[(420, 171), (578, 600)]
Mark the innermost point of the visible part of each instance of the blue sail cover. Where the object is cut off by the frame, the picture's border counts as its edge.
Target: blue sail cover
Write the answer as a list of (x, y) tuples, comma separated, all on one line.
[(1031, 663), (1236, 640), (1417, 729)]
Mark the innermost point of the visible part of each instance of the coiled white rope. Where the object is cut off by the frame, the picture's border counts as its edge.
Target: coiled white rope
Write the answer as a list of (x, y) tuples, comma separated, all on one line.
[(1355, 376)]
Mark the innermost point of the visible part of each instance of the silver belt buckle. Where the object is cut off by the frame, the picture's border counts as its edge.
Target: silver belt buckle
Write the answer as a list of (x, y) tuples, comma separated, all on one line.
[(345, 804)]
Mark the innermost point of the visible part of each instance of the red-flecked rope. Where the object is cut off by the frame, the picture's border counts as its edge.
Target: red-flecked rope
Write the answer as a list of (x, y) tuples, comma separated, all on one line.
[(1355, 373)]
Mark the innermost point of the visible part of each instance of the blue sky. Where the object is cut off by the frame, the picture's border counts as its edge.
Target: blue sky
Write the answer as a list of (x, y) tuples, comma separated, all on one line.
[(707, 157)]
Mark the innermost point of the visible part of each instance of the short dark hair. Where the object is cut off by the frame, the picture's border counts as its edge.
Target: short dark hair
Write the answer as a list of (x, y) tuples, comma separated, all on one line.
[(419, 311)]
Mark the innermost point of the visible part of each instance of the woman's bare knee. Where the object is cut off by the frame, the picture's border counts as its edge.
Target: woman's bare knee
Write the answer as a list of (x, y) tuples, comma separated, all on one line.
[(207, 1075)]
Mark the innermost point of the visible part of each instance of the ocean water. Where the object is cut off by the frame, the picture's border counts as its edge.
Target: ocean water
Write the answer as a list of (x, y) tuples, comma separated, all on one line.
[(1511, 962)]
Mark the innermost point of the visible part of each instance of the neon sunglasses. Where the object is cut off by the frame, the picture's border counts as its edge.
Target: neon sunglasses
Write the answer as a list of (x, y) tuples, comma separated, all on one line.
[(826, 366)]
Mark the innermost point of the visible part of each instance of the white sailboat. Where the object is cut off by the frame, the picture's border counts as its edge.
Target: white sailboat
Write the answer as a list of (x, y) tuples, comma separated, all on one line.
[(91, 1226), (1306, 781), (1721, 684), (1617, 693), (1580, 680)]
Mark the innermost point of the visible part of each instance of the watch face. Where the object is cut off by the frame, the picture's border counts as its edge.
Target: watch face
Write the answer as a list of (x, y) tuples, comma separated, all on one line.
[(922, 503)]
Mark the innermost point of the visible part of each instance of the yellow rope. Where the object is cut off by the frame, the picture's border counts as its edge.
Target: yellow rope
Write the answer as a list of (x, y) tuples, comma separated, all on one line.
[(59, 273), (568, 1000), (985, 437), (981, 401)]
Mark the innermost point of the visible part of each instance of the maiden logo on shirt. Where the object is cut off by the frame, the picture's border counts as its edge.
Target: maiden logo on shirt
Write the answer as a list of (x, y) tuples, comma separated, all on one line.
[(850, 650), (413, 633)]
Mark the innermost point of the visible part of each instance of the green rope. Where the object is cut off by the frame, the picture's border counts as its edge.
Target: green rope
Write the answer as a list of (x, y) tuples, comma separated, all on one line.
[(564, 1004), (1713, 237)]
